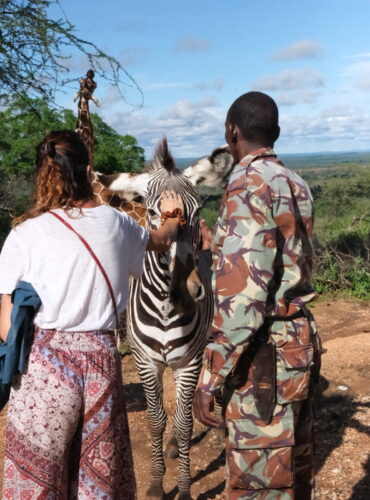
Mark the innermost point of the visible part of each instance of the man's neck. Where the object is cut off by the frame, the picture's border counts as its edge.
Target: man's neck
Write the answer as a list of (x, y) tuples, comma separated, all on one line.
[(245, 148)]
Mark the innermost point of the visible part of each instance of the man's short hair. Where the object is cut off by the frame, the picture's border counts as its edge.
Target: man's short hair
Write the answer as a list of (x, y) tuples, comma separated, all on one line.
[(257, 116)]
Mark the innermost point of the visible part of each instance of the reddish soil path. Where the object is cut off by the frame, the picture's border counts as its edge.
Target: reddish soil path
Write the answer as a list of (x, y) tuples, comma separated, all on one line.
[(343, 416)]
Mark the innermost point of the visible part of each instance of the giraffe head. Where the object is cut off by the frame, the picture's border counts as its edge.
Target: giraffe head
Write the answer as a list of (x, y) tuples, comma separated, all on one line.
[(127, 198), (185, 286), (213, 170)]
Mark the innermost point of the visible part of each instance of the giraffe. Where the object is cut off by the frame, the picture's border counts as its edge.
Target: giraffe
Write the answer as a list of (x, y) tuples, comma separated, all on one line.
[(83, 124), (101, 182), (106, 196)]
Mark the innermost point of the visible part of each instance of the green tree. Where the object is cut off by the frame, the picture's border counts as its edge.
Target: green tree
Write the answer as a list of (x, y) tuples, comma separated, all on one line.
[(115, 152), (22, 125), (25, 122), (34, 51)]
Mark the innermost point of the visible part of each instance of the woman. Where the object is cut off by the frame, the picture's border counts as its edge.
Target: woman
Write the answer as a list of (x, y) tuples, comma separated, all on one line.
[(67, 433)]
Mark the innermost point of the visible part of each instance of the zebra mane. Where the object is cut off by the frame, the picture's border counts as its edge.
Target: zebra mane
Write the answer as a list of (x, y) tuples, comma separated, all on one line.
[(163, 158)]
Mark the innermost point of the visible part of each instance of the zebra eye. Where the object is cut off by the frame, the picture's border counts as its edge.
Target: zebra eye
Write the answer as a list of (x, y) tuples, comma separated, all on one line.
[(151, 212)]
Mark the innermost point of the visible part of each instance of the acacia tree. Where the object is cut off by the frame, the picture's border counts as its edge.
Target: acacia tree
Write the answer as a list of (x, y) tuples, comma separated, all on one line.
[(34, 51)]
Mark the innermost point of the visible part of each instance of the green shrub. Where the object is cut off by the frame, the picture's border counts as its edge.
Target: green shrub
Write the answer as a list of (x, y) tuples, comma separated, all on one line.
[(342, 229), (211, 198), (336, 272)]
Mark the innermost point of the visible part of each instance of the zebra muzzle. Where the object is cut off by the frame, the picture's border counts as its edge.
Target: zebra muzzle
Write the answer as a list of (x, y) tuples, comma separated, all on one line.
[(195, 286)]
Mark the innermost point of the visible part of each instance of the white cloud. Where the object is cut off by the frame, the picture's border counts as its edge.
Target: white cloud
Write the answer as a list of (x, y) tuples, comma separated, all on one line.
[(293, 98), (364, 55), (359, 73), (132, 25), (363, 83), (76, 64), (303, 49), (217, 85), (111, 98), (290, 79), (131, 55), (356, 69), (165, 85), (195, 128), (191, 44), (192, 128), (339, 124)]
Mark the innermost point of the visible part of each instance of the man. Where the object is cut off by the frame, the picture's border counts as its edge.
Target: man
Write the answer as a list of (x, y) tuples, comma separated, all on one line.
[(264, 351)]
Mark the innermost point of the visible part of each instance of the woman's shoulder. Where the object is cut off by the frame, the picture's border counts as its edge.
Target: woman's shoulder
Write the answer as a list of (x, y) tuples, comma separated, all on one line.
[(112, 215), (31, 224), (108, 211)]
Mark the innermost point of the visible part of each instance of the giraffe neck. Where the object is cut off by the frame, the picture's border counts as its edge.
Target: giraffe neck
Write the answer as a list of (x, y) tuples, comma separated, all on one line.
[(84, 126)]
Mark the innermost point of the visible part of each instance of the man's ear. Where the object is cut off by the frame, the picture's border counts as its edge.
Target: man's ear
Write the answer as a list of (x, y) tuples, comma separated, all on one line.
[(235, 134), (277, 133)]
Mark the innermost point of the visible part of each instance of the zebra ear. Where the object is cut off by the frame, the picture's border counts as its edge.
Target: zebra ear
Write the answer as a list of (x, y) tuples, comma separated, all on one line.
[(163, 157), (222, 160)]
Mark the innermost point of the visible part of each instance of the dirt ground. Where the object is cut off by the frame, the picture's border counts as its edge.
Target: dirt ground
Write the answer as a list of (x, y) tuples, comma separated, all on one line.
[(343, 416)]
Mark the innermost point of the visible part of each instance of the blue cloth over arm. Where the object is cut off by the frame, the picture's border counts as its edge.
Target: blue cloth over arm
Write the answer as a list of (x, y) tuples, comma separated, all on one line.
[(14, 351)]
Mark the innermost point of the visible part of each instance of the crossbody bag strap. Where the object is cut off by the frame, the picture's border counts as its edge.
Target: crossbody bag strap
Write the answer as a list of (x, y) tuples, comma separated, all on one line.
[(94, 256)]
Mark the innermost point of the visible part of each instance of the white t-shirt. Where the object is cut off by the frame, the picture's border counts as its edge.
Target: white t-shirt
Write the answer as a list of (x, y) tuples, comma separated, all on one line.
[(73, 292)]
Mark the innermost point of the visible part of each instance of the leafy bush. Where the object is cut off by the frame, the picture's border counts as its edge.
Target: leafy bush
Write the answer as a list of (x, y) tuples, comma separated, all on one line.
[(211, 199), (342, 228), (338, 272)]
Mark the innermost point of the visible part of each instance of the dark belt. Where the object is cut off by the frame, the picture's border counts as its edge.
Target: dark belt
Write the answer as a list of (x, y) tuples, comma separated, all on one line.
[(261, 356), (301, 313)]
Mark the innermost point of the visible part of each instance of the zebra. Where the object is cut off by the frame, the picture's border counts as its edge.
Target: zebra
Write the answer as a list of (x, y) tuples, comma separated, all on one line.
[(168, 319)]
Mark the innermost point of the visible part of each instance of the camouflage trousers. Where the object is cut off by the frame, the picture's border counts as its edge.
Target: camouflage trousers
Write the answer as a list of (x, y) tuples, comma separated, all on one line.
[(273, 461)]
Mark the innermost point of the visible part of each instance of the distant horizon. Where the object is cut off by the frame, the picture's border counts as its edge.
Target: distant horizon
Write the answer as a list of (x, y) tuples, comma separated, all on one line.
[(358, 151), (325, 159)]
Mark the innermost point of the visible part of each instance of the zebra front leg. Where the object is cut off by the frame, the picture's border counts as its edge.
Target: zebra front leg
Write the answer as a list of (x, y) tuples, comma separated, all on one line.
[(153, 387), (186, 380)]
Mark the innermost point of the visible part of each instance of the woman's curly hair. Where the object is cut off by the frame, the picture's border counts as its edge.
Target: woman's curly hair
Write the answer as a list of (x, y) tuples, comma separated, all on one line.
[(62, 179)]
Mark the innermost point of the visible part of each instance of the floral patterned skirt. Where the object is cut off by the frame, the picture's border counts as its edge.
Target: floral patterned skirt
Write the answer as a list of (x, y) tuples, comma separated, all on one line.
[(67, 434)]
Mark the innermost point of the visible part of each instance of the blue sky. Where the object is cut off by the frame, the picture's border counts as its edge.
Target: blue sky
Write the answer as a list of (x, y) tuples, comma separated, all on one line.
[(192, 59)]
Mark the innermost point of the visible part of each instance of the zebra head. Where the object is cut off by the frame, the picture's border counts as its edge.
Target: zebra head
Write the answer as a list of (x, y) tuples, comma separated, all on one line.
[(185, 286)]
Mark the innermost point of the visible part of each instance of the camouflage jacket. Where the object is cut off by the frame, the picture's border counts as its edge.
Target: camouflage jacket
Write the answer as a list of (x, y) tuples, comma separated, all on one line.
[(262, 258)]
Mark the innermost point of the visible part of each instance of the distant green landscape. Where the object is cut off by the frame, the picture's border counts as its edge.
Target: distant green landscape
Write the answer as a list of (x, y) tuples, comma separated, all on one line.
[(341, 194), (306, 161)]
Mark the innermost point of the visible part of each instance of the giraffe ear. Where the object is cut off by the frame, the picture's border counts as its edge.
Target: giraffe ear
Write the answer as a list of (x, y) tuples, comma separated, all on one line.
[(90, 173)]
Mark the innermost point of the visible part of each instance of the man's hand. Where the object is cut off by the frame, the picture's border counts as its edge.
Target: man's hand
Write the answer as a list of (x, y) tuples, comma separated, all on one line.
[(203, 406), (207, 235)]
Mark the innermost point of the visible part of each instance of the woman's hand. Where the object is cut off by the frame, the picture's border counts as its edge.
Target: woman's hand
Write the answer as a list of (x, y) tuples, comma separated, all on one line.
[(172, 210), (5, 312), (170, 202)]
